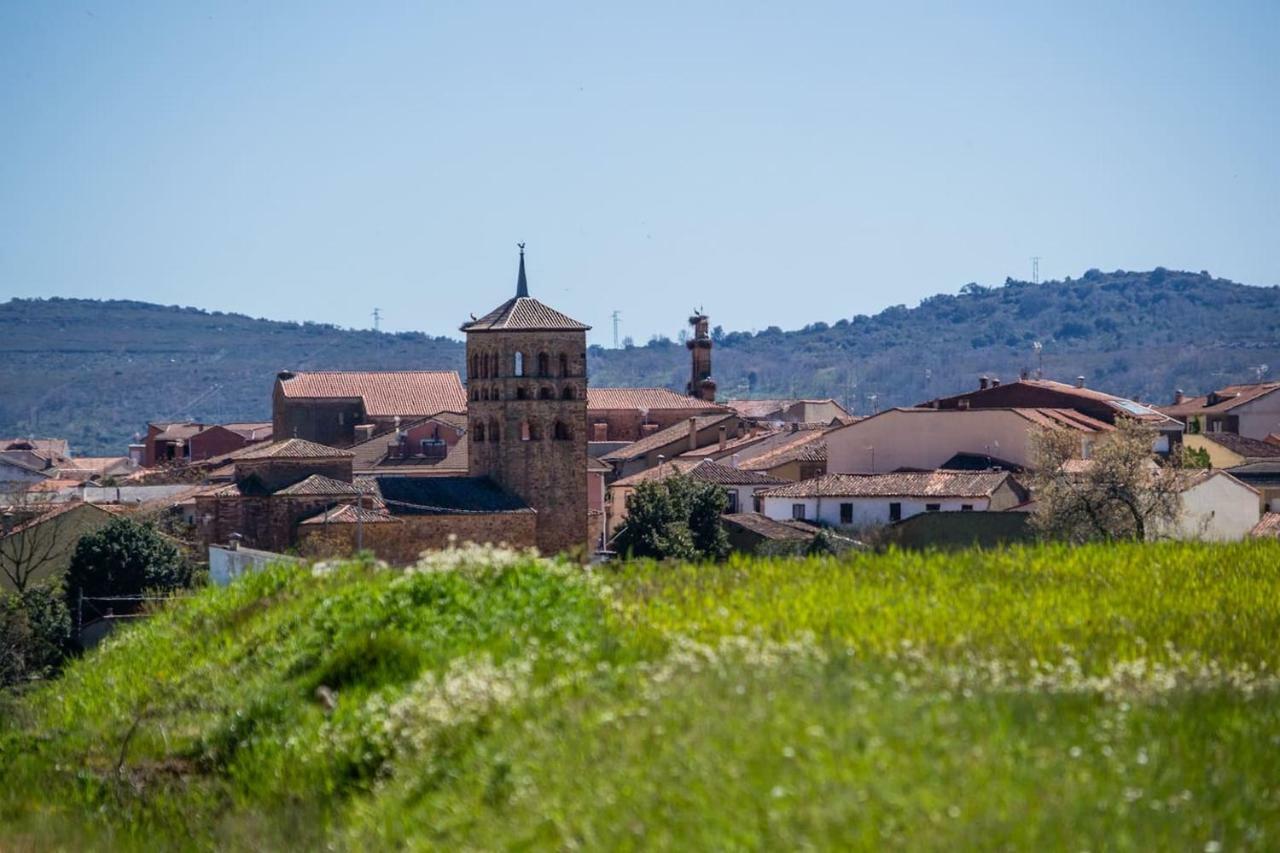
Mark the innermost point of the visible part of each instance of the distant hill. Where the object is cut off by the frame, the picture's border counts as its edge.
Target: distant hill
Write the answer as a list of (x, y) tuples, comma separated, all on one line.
[(96, 371)]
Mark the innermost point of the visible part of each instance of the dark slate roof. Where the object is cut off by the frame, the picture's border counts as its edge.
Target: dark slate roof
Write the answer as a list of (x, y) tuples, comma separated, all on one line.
[(446, 496), (293, 448), (769, 528), (1250, 448), (524, 313)]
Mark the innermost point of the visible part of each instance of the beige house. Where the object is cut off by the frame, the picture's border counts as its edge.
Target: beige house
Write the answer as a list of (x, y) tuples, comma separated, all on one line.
[(40, 549), (1251, 410), (923, 439), (1227, 450)]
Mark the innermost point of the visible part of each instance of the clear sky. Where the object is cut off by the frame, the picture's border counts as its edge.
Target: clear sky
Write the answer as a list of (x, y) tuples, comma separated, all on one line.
[(777, 163)]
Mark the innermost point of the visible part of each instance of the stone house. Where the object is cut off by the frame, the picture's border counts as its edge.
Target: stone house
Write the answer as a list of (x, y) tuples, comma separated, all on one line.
[(690, 434), (339, 408)]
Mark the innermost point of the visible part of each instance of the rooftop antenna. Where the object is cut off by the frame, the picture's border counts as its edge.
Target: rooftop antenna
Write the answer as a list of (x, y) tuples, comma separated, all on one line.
[(1039, 348), (377, 317), (1261, 371), (1035, 269), (617, 317)]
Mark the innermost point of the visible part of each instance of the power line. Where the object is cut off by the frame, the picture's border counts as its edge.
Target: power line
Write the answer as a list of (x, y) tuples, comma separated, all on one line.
[(1035, 269)]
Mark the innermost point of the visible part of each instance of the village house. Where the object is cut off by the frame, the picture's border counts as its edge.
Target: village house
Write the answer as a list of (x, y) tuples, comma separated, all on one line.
[(824, 411), (430, 447), (741, 486), (1046, 394), (860, 500), (1213, 505), (37, 540), (925, 439), (176, 443), (629, 414), (1265, 478), (793, 454), (754, 533), (1249, 410), (1229, 449), (691, 434), (339, 408)]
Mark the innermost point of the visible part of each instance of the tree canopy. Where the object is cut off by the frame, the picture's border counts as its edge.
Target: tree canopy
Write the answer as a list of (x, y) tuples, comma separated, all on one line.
[(675, 518)]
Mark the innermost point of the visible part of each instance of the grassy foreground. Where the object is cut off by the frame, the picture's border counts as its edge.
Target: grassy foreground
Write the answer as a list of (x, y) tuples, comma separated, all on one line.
[(1115, 697)]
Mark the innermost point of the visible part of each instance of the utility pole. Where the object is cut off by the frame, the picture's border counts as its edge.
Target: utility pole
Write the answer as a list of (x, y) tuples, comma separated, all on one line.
[(617, 316), (1035, 269)]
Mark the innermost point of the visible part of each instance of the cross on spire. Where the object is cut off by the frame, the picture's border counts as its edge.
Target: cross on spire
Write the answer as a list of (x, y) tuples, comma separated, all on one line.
[(522, 284)]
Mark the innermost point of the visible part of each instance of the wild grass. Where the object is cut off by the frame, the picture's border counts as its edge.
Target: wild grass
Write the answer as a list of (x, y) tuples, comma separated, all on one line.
[(1122, 697)]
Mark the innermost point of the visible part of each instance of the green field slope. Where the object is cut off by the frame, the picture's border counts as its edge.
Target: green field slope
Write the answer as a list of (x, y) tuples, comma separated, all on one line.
[(1121, 697)]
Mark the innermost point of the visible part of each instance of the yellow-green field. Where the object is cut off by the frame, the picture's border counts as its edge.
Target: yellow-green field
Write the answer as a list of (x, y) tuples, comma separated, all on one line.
[(1109, 697)]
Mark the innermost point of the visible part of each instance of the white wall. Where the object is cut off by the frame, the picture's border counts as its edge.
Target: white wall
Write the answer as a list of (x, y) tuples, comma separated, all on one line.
[(866, 511), (1219, 508), (1260, 417), (926, 438)]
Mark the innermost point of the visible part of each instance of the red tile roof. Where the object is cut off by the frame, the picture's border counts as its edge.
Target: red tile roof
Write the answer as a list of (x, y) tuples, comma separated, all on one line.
[(1268, 525), (930, 484), (645, 398), (664, 437), (318, 484), (291, 448), (806, 446), (524, 313), (1224, 400), (350, 514), (408, 393)]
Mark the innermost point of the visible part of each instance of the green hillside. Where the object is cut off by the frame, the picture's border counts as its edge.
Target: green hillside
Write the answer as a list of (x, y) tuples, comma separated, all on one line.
[(96, 372), (1119, 697)]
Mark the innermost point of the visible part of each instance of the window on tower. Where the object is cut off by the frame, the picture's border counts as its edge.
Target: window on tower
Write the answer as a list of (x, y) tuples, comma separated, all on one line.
[(562, 432), (569, 393), (546, 393), (544, 364), (564, 364), (519, 364)]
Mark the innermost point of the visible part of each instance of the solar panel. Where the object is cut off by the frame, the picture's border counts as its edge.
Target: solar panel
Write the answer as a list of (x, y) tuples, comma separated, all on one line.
[(1134, 408)]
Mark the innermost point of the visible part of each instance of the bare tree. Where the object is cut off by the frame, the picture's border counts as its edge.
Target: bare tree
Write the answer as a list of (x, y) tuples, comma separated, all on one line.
[(1120, 492), (36, 536)]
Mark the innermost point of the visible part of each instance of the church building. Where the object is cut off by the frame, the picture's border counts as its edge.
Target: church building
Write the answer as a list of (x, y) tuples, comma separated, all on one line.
[(527, 411)]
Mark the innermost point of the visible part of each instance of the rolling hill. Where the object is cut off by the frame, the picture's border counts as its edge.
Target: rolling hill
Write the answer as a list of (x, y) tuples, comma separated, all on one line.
[(97, 371)]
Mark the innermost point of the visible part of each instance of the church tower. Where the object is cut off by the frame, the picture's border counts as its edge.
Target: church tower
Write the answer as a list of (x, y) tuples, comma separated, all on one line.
[(527, 411)]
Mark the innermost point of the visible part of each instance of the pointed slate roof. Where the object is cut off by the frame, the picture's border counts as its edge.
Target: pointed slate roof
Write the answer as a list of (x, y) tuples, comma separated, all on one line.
[(523, 313)]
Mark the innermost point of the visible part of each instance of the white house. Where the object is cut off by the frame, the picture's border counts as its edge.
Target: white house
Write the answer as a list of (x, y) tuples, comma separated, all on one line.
[(924, 439), (859, 500), (1216, 506)]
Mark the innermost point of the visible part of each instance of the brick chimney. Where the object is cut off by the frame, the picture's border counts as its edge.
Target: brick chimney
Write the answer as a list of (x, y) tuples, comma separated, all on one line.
[(1079, 381), (724, 436), (701, 385), (1179, 398), (693, 433), (983, 383)]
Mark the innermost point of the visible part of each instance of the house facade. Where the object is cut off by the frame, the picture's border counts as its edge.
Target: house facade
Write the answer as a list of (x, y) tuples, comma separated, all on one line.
[(1250, 410)]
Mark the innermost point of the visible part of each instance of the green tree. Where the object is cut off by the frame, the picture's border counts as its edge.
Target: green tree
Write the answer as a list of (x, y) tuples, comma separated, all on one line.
[(125, 558), (35, 633), (675, 518)]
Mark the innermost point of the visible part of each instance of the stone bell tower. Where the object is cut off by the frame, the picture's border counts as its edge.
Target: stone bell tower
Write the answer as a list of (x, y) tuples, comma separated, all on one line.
[(701, 385), (527, 411)]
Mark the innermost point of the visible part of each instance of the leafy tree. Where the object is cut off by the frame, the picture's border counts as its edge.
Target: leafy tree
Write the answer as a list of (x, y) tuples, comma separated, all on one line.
[(1120, 492), (1196, 457), (35, 633), (125, 558), (675, 518)]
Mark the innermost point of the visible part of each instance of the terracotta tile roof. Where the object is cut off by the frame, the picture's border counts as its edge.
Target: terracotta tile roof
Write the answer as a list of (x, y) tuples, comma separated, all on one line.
[(291, 448), (178, 431), (929, 484), (1060, 418), (770, 528), (1268, 525), (408, 393), (1249, 448), (524, 313), (48, 447), (736, 445), (645, 398), (259, 431), (756, 409), (1119, 405), (351, 514), (658, 472), (1223, 400), (371, 456), (664, 437), (804, 446), (318, 484)]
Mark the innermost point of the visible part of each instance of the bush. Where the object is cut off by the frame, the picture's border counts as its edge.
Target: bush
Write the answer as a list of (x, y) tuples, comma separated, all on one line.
[(675, 518), (35, 634), (125, 558)]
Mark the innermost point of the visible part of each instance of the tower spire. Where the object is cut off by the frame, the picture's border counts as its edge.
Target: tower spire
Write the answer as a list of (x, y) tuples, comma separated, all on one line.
[(522, 284)]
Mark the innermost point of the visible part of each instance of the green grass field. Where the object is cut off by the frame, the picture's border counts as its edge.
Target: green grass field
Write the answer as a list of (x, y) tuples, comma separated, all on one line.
[(1108, 697)]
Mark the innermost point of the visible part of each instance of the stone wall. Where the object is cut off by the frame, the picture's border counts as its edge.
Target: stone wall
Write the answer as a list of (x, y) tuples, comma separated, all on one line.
[(400, 542)]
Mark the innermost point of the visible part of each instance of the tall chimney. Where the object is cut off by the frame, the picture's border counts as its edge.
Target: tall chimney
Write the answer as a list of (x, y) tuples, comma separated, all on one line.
[(701, 385), (983, 383), (1179, 398), (693, 433), (1079, 381), (724, 435), (995, 382)]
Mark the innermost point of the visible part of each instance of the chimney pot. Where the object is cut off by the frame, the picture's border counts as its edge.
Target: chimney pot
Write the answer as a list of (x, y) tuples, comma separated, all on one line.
[(983, 383), (724, 434), (285, 374), (1179, 397), (1079, 381), (693, 433), (995, 383)]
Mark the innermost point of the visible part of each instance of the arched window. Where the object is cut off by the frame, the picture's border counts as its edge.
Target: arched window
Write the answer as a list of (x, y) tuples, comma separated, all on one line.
[(564, 364), (477, 430), (522, 393), (544, 364), (563, 432), (493, 430), (569, 393), (475, 365), (475, 394), (519, 364), (546, 393)]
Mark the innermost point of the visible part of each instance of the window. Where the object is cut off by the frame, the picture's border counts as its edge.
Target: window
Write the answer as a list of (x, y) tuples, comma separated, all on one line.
[(475, 394), (895, 511), (733, 502), (564, 364), (966, 507), (342, 417), (569, 393), (475, 365), (562, 432), (932, 507), (493, 430), (522, 393), (797, 512), (477, 431), (545, 393), (846, 513), (544, 364), (519, 364)]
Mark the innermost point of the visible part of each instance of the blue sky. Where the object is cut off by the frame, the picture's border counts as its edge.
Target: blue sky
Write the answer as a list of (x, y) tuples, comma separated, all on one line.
[(777, 163)]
